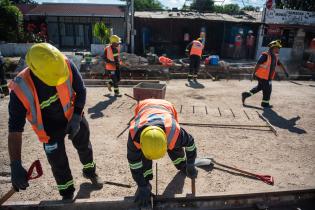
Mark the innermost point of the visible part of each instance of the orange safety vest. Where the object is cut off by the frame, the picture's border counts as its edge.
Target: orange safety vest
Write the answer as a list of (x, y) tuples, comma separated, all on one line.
[(250, 40), (264, 69), (238, 40), (165, 61), (150, 111), (24, 88), (110, 56), (196, 48)]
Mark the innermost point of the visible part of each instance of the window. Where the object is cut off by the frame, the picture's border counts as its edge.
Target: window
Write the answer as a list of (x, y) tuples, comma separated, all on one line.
[(69, 29)]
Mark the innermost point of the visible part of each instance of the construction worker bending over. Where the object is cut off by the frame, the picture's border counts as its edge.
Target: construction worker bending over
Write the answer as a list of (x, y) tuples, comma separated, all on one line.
[(112, 59), (51, 95), (194, 49), (153, 132), (265, 73)]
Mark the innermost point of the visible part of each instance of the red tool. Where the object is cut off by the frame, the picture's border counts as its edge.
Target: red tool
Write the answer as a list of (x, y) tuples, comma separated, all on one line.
[(39, 172), (265, 178)]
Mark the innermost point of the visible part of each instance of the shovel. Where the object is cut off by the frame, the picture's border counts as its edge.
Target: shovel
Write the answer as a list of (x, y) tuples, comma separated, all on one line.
[(39, 172), (207, 161)]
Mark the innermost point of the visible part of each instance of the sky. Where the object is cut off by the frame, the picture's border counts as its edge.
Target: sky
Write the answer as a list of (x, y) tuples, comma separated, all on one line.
[(167, 3)]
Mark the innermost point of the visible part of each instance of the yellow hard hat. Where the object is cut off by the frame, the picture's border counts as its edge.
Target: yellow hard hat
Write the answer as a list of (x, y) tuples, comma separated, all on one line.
[(47, 63), (153, 142), (276, 43), (114, 39)]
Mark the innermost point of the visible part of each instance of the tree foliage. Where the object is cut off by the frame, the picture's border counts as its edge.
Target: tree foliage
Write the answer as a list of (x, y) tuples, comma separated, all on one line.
[(11, 24), (305, 5), (231, 9), (23, 2), (202, 5), (101, 32), (250, 8), (147, 5)]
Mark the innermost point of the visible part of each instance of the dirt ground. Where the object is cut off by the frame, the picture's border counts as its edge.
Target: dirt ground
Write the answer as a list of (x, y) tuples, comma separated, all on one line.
[(288, 157)]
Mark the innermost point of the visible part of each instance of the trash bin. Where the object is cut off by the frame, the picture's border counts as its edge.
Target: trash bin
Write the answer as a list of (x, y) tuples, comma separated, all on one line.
[(145, 90)]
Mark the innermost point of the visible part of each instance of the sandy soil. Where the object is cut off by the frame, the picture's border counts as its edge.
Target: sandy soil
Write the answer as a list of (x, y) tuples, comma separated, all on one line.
[(289, 157)]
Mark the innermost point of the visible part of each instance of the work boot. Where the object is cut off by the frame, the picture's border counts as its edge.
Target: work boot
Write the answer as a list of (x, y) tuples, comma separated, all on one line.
[(109, 87), (95, 179), (244, 96), (68, 198), (266, 105)]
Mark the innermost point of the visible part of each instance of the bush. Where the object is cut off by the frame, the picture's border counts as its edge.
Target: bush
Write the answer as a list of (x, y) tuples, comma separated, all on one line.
[(101, 32), (11, 25)]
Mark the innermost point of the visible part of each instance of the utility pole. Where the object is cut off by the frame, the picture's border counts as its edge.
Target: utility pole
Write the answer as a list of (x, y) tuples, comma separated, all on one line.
[(132, 27)]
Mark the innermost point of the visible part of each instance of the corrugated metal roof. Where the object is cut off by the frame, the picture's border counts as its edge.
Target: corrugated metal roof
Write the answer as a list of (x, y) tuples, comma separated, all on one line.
[(25, 8), (67, 9), (254, 17)]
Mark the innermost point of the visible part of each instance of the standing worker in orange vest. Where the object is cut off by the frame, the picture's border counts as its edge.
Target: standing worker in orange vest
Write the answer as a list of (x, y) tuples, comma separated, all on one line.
[(153, 132), (250, 44), (112, 59), (238, 43), (265, 73), (194, 49), (51, 95)]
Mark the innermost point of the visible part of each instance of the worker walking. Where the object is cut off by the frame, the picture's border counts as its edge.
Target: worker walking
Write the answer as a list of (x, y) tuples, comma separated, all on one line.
[(51, 95), (194, 49), (265, 73), (112, 59), (153, 132)]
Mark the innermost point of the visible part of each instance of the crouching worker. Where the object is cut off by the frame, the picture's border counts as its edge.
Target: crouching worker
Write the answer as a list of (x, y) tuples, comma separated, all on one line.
[(50, 94), (153, 132)]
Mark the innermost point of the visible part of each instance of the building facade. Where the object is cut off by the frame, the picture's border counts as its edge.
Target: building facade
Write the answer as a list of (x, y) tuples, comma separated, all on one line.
[(70, 26)]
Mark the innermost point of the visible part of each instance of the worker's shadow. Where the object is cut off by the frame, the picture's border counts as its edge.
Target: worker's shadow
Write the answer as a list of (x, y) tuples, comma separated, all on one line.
[(85, 190), (96, 110), (176, 185), (252, 107), (281, 122), (194, 84)]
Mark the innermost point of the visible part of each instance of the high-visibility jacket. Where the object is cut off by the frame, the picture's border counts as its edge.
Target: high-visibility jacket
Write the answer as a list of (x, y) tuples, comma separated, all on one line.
[(24, 88), (238, 40), (196, 48), (165, 61), (110, 56), (264, 69), (250, 40), (155, 111)]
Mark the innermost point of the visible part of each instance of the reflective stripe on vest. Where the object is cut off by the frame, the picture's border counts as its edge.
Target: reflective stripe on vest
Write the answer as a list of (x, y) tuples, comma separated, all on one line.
[(264, 69), (196, 48), (110, 56), (25, 90), (152, 113)]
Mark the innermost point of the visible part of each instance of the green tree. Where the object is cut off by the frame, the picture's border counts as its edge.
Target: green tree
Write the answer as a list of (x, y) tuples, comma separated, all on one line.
[(23, 2), (11, 24), (145, 5), (305, 5), (202, 5), (231, 9), (250, 8), (101, 32)]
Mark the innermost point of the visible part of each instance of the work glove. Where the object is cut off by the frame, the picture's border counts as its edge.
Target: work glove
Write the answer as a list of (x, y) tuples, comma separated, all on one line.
[(18, 176), (73, 126), (143, 196), (191, 171)]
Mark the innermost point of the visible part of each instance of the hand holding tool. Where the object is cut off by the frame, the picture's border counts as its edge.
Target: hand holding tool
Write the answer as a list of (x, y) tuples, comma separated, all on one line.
[(73, 126), (29, 176)]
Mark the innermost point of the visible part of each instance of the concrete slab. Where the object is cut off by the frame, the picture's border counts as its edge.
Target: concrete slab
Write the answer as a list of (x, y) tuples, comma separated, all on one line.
[(289, 158)]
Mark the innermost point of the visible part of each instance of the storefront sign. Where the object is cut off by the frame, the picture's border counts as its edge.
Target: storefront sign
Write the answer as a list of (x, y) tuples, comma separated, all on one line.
[(274, 31), (294, 17)]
